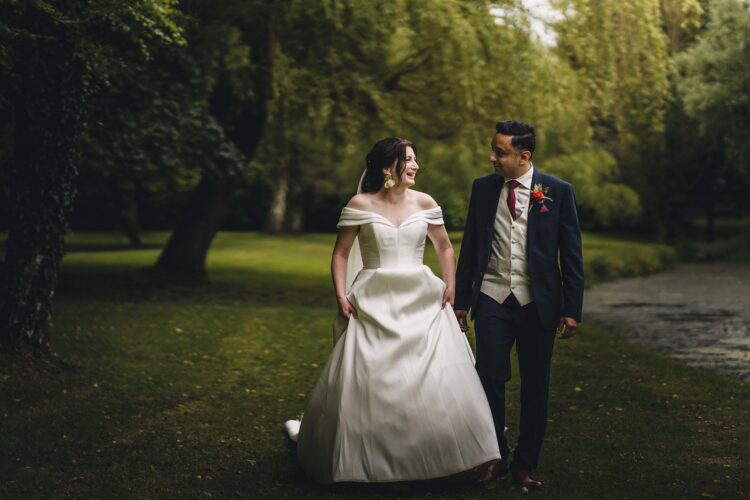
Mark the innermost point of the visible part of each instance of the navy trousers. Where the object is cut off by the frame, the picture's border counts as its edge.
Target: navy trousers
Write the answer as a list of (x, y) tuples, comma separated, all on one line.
[(498, 326)]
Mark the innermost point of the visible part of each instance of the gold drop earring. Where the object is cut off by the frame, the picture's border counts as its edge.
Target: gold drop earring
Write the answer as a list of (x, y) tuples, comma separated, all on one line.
[(388, 181)]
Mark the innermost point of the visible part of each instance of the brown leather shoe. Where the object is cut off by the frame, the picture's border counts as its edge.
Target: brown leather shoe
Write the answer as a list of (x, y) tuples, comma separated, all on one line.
[(525, 480), (488, 475), (501, 468), (494, 471)]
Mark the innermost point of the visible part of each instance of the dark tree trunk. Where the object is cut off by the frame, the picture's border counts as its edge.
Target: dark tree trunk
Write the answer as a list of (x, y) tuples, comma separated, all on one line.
[(711, 189), (40, 177), (242, 121), (184, 256), (277, 213), (710, 234), (708, 189), (296, 221), (128, 221)]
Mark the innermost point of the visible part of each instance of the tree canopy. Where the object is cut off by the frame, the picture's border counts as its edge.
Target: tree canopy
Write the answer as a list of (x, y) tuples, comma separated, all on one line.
[(196, 115)]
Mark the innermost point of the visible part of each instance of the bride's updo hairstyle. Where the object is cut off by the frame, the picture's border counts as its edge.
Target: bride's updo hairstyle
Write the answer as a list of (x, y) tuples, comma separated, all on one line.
[(382, 155)]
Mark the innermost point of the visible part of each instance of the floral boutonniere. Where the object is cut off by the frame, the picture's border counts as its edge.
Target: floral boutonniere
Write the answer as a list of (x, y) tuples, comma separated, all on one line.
[(539, 196)]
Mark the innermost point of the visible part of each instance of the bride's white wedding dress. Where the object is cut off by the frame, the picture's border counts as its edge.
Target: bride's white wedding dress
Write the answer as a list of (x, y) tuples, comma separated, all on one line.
[(399, 398)]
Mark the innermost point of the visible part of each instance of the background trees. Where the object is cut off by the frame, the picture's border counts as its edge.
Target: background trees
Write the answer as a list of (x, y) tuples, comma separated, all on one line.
[(713, 85), (256, 114), (54, 55), (618, 50)]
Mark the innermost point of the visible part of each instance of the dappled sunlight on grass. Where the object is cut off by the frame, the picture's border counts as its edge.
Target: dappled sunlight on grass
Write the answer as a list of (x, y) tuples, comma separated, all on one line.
[(299, 256), (181, 392)]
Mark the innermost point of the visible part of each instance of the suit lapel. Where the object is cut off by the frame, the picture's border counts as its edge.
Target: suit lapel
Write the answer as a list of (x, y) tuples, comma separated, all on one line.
[(492, 204), (495, 199), (533, 212)]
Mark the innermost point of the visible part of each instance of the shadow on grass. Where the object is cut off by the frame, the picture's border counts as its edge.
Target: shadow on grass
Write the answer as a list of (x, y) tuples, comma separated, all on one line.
[(182, 392), (109, 247), (457, 486), (146, 284)]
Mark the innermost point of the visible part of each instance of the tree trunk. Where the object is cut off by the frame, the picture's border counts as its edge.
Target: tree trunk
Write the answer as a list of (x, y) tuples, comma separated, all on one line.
[(41, 178), (242, 122), (296, 221), (128, 221), (184, 256), (277, 213), (710, 234)]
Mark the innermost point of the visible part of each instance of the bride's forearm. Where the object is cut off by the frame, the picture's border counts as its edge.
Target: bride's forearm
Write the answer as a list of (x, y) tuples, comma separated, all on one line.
[(338, 272), (340, 258), (447, 260), (445, 254)]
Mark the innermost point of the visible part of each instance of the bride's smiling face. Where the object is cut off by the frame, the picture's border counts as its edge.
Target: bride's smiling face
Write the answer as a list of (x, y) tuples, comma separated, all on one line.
[(409, 174)]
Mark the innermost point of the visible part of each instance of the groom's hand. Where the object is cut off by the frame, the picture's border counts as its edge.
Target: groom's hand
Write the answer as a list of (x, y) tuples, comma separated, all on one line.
[(567, 327), (461, 317)]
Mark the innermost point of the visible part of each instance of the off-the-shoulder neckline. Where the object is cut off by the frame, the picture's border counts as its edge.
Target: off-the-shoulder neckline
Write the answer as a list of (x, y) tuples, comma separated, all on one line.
[(389, 220)]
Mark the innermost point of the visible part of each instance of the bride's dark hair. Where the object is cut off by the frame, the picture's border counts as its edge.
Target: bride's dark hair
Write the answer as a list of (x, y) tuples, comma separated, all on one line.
[(382, 155)]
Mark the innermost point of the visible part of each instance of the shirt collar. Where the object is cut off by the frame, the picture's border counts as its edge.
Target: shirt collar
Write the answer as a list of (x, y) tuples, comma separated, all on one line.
[(525, 179)]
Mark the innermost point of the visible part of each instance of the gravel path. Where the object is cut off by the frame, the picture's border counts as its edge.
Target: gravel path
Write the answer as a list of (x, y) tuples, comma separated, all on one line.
[(699, 313)]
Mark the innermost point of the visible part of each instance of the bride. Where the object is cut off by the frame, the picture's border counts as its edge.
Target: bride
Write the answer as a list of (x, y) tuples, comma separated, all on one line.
[(399, 398)]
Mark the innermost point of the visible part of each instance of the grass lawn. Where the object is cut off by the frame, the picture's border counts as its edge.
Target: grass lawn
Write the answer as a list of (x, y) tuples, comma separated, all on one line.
[(177, 392)]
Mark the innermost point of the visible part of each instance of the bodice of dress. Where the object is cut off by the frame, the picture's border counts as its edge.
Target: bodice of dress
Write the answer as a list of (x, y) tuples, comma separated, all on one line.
[(384, 245)]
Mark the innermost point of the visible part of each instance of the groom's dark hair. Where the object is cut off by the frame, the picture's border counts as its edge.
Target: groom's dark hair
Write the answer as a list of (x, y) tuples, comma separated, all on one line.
[(522, 134)]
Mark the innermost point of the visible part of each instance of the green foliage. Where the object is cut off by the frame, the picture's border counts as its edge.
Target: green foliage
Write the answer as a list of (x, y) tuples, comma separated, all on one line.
[(603, 201), (733, 242), (650, 117), (446, 173), (55, 54), (439, 74), (713, 81), (620, 52), (111, 42), (683, 20), (609, 258), (300, 90), (153, 150), (107, 35), (157, 130)]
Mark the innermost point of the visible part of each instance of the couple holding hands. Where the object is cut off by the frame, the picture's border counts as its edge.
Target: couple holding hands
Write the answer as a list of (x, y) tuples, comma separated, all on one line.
[(401, 396)]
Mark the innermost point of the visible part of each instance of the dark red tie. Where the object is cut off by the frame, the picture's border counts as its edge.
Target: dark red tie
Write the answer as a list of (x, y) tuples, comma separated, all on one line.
[(512, 198)]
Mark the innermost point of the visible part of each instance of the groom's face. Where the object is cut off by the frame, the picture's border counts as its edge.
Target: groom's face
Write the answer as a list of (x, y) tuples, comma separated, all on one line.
[(508, 161)]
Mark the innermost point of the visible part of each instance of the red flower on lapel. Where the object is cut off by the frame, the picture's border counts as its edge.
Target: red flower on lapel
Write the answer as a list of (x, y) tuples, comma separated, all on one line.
[(539, 196)]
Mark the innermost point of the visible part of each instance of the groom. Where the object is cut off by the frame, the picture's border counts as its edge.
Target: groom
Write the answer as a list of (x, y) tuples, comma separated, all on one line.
[(520, 272)]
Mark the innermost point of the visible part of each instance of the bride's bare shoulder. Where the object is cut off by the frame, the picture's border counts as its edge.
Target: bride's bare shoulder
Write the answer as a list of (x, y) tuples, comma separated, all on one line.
[(361, 201), (424, 200)]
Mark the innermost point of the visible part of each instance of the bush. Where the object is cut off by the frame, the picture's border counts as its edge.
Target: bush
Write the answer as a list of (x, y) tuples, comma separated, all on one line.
[(609, 260), (602, 202), (732, 248)]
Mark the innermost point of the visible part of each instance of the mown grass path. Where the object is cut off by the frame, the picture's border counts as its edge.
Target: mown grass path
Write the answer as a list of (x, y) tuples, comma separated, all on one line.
[(181, 392)]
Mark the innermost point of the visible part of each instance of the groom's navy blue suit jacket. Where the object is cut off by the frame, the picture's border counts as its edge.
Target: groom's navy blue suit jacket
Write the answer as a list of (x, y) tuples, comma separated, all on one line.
[(553, 248)]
